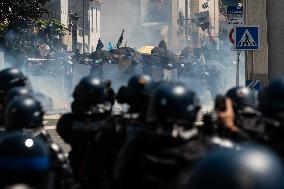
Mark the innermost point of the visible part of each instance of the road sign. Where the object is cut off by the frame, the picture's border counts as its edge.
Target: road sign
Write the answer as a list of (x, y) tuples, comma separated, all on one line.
[(236, 21), (235, 10), (231, 36), (254, 84), (247, 38)]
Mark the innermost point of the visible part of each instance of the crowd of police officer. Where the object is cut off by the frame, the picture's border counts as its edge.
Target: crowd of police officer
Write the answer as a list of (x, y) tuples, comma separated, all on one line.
[(156, 143)]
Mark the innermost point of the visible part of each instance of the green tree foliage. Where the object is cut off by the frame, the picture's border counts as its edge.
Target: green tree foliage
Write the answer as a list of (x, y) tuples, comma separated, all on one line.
[(24, 37), (11, 10), (22, 30)]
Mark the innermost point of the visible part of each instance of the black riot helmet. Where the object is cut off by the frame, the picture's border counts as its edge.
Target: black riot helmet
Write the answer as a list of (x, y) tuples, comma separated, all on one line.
[(271, 101), (173, 103), (251, 167), (88, 95), (89, 90), (17, 92), (136, 94), (24, 159), (138, 86), (23, 112), (242, 98), (10, 78)]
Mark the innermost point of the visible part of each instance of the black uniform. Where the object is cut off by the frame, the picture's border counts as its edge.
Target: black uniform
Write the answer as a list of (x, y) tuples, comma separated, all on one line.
[(86, 129), (10, 78), (151, 160), (157, 152), (251, 167), (26, 159), (271, 105), (25, 114)]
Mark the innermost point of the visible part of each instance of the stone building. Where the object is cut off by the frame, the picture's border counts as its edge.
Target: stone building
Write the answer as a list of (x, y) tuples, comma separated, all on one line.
[(89, 24)]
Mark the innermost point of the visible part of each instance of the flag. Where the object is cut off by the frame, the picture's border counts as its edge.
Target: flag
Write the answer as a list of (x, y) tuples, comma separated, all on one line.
[(120, 40)]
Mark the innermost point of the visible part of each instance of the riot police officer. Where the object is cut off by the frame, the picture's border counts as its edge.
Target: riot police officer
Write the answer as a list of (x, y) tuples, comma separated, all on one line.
[(136, 95), (251, 167), (10, 78), (247, 118), (227, 115), (26, 159), (271, 105), (17, 92), (81, 128), (25, 114), (156, 155)]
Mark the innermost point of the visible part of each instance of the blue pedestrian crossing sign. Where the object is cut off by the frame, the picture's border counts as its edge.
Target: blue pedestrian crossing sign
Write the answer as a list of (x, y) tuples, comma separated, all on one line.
[(247, 38), (254, 84)]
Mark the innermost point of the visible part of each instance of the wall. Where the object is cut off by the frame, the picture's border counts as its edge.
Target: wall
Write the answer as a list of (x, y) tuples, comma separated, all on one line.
[(94, 23), (58, 9), (257, 61), (275, 33)]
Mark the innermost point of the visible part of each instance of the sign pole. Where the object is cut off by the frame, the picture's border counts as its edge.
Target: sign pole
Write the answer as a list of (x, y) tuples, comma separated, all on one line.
[(252, 65), (2, 60), (238, 69)]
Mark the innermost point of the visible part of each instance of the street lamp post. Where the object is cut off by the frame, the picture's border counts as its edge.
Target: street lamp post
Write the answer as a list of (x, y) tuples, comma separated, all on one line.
[(75, 19)]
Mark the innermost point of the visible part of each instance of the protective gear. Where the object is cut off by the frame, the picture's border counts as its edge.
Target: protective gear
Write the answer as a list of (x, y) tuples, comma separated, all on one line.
[(137, 86), (271, 100), (243, 99), (10, 78), (89, 90), (250, 167), (246, 116), (271, 105), (136, 95), (84, 132), (160, 150), (173, 103), (24, 159), (16, 92), (83, 128), (87, 94), (23, 112)]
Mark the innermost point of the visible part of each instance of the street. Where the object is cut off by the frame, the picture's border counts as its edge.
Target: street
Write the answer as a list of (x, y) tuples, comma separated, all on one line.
[(50, 122)]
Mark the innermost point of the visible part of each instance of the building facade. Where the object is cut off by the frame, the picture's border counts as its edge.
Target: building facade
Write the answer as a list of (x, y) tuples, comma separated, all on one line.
[(58, 9), (84, 15), (94, 22), (89, 23)]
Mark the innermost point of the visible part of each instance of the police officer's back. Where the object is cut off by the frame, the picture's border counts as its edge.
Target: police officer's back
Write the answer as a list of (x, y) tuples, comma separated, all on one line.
[(271, 105), (137, 96), (250, 167), (90, 110), (10, 78), (155, 155), (25, 114), (25, 159)]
